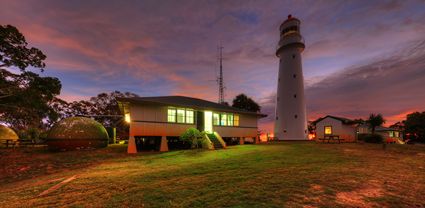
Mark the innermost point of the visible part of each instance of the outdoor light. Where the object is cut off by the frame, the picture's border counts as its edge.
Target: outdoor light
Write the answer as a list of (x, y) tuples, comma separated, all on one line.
[(127, 118)]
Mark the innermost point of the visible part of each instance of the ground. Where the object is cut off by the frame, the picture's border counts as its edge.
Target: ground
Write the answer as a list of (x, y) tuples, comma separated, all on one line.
[(268, 175)]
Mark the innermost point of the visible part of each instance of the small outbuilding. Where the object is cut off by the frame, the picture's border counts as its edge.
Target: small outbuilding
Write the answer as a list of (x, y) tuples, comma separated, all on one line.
[(77, 133), (332, 126), (391, 135), (7, 136)]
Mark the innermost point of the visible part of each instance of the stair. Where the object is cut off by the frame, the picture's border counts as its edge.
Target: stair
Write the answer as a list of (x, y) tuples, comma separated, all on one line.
[(214, 140)]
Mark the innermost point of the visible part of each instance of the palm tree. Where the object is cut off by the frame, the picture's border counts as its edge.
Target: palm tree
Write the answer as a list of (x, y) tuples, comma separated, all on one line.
[(374, 121)]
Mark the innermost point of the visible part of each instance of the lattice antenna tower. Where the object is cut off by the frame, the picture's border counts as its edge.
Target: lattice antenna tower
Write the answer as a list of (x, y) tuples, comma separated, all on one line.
[(220, 81)]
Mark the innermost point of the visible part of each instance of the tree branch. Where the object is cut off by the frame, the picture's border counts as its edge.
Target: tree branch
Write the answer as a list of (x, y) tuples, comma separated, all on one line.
[(5, 96)]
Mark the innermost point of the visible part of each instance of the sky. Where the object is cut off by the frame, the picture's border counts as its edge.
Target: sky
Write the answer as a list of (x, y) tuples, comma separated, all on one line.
[(361, 56)]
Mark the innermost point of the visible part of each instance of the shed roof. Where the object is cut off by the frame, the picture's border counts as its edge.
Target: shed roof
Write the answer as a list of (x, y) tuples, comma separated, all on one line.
[(183, 101), (382, 128), (343, 120)]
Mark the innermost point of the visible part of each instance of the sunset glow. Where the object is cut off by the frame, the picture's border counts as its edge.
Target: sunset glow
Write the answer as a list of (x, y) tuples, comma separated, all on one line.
[(154, 49)]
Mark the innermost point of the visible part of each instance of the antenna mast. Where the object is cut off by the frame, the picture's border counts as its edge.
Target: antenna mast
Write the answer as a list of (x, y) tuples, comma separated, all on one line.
[(220, 78)]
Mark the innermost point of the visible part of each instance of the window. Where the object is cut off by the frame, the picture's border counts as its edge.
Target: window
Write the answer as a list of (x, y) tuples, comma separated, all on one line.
[(391, 133), (171, 115), (216, 119), (230, 120), (295, 95), (296, 116), (397, 134), (236, 120), (223, 121), (328, 130), (189, 116), (295, 76), (127, 118), (293, 56), (180, 115)]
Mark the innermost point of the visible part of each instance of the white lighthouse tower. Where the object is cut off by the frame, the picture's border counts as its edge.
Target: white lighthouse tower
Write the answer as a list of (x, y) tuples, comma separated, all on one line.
[(291, 119)]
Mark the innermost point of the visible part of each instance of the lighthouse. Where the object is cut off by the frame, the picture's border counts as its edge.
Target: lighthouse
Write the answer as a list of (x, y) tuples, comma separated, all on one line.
[(290, 119)]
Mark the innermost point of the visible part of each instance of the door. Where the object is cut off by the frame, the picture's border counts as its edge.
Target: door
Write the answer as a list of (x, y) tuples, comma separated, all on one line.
[(208, 125), (200, 120)]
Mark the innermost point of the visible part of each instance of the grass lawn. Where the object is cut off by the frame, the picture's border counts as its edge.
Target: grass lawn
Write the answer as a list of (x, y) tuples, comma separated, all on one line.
[(270, 175)]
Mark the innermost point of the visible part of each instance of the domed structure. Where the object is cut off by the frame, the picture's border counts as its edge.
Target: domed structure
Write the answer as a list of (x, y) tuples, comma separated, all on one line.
[(77, 132), (7, 133)]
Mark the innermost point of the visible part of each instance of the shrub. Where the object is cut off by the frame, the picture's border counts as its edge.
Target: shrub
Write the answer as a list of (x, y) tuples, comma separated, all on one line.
[(194, 137), (360, 137), (373, 138), (31, 134)]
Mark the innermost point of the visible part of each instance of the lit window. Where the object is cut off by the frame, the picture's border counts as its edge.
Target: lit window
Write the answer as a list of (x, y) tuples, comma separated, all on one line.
[(236, 120), (223, 120), (397, 134), (391, 133), (180, 116), (328, 130), (216, 119), (172, 115), (230, 120), (189, 116), (127, 118)]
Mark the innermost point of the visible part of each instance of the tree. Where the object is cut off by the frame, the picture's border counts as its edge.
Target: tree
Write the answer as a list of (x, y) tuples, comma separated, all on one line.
[(14, 50), (28, 102), (244, 102), (374, 121), (24, 98), (415, 126)]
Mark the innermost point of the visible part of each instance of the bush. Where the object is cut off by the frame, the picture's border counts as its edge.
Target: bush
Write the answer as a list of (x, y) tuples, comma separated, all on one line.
[(194, 137), (31, 134), (360, 137), (373, 138)]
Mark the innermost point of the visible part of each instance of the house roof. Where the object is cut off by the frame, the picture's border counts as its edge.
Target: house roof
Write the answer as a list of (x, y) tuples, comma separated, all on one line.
[(382, 128), (183, 101), (343, 120), (378, 128)]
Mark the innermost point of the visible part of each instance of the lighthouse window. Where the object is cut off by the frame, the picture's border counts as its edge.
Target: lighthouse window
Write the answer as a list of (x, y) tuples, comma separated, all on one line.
[(295, 95), (277, 118), (289, 30), (296, 116), (295, 76), (293, 56)]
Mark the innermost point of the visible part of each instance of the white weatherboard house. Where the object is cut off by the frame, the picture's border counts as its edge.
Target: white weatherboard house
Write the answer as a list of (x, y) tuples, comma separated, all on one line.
[(343, 128), (157, 122)]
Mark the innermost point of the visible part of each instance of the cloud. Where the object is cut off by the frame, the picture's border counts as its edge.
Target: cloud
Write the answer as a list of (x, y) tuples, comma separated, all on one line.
[(169, 47)]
